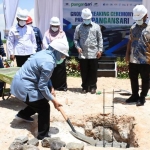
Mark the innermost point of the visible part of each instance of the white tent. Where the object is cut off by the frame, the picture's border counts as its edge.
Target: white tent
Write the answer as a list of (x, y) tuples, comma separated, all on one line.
[(44, 10), (9, 12), (146, 3)]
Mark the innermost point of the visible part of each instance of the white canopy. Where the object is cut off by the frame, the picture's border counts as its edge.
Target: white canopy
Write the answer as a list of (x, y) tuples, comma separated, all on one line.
[(43, 11), (9, 8), (146, 3)]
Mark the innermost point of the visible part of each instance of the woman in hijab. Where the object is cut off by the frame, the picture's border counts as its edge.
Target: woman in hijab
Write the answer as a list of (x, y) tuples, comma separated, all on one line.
[(59, 77)]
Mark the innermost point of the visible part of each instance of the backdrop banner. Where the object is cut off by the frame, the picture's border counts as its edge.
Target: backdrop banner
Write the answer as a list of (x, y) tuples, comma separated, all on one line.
[(114, 18)]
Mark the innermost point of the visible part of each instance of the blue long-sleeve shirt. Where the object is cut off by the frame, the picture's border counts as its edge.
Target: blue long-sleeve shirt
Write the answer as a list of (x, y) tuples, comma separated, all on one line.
[(32, 79), (38, 37)]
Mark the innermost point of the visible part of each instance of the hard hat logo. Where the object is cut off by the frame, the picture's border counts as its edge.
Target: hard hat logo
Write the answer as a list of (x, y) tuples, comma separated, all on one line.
[(55, 22), (86, 15)]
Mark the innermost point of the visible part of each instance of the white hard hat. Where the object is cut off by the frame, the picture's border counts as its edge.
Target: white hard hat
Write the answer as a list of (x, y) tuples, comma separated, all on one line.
[(22, 15), (60, 45), (86, 13), (139, 11), (55, 21)]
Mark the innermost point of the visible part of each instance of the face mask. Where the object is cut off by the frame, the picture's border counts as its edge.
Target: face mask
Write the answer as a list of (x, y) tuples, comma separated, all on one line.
[(54, 29), (139, 22), (59, 56), (59, 61), (87, 21), (22, 23)]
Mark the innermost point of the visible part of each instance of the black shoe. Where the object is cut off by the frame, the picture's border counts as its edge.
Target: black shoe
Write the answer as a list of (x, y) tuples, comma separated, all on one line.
[(23, 118), (84, 91), (132, 99), (141, 101), (62, 89), (93, 91)]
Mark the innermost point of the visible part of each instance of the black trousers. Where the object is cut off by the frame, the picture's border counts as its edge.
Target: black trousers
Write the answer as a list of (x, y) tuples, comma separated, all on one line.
[(1, 82), (21, 59), (41, 107), (134, 71), (89, 73)]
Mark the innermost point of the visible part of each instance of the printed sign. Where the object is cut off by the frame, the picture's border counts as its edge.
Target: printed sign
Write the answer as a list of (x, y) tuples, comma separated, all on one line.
[(114, 17)]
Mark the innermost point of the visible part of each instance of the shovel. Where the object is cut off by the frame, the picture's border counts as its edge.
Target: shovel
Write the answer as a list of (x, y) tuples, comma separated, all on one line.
[(123, 92), (77, 134)]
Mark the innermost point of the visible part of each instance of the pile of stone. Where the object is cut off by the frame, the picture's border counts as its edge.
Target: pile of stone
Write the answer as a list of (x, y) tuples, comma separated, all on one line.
[(23, 143)]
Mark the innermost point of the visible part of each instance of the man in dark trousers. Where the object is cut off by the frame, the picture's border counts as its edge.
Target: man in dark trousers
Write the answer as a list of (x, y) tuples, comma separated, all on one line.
[(136, 56), (89, 43), (21, 42)]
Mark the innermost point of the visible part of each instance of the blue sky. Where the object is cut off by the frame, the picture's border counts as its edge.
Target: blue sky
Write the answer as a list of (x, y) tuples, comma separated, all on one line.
[(26, 4)]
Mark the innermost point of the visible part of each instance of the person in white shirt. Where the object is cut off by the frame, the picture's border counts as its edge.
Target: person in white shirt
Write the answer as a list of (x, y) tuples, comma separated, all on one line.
[(21, 42)]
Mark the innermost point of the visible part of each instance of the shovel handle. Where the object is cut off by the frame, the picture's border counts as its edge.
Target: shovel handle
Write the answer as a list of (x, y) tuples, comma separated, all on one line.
[(63, 113), (67, 119)]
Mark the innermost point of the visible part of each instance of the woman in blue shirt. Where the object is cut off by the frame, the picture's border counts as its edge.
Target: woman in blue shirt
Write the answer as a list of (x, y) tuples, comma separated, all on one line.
[(31, 84)]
